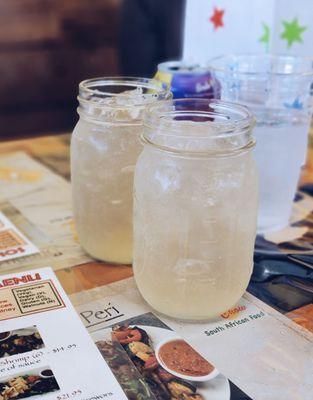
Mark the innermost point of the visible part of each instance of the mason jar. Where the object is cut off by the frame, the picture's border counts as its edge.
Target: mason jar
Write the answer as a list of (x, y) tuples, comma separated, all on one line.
[(104, 149), (195, 207)]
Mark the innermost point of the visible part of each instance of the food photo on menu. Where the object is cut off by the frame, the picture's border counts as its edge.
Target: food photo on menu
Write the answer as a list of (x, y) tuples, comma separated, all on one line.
[(20, 341), (35, 384), (150, 361)]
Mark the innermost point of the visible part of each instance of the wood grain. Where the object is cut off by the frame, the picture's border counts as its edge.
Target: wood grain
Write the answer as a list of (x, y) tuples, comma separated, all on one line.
[(46, 48), (91, 275)]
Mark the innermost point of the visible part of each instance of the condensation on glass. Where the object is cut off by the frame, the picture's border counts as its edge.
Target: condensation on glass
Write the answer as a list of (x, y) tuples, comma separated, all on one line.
[(195, 207), (104, 149)]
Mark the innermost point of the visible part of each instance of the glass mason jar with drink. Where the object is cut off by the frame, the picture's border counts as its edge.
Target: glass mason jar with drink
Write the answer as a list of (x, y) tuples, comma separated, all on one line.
[(195, 207), (278, 90), (104, 149)]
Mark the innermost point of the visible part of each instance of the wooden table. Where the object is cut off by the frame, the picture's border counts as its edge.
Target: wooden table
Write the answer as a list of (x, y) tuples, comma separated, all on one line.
[(53, 151)]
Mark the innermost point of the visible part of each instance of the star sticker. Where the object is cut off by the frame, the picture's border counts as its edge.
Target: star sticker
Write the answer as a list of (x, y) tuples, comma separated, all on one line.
[(292, 32), (217, 18), (295, 104), (266, 35)]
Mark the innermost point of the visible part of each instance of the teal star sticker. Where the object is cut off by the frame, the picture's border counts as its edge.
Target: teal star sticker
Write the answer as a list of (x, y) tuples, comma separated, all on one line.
[(292, 32), (266, 36)]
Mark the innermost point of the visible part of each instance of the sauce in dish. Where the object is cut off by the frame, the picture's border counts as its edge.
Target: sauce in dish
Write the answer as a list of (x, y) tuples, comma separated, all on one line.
[(180, 357), (47, 373)]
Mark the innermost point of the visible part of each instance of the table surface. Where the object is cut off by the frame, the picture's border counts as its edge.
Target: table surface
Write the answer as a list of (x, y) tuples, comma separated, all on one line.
[(53, 152)]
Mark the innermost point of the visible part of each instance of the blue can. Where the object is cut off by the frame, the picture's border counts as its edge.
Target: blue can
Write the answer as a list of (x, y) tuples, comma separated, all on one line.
[(188, 80)]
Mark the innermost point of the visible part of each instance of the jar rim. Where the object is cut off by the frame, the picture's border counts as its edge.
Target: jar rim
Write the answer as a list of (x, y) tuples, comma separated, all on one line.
[(230, 64), (199, 154), (89, 90), (230, 121)]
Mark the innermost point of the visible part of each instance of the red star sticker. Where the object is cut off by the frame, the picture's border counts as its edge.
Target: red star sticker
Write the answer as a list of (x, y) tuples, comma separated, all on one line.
[(217, 18)]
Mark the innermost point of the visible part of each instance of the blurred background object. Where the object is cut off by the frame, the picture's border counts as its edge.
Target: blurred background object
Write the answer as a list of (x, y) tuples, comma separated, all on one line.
[(151, 32), (48, 46)]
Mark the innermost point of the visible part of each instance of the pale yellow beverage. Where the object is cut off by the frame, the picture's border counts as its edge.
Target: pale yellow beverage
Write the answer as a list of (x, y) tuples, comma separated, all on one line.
[(195, 210), (104, 149), (102, 180)]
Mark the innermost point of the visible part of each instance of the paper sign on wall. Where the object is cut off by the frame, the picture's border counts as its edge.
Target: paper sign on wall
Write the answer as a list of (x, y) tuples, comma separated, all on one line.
[(213, 28)]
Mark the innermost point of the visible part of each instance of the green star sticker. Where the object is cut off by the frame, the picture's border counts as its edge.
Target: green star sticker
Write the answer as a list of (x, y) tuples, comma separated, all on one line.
[(292, 32), (266, 36)]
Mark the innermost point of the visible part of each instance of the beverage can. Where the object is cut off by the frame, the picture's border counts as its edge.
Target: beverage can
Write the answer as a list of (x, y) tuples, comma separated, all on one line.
[(188, 80)]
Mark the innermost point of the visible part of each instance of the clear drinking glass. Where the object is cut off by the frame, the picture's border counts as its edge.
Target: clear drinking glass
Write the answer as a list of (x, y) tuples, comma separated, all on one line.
[(195, 207), (278, 91), (104, 150)]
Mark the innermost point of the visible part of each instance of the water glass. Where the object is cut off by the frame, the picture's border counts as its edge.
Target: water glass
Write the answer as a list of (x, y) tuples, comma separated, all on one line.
[(278, 91)]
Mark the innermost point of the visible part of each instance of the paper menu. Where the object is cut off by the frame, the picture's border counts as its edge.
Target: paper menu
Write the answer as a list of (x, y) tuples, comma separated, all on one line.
[(264, 353), (13, 243), (28, 200), (131, 338), (45, 351)]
